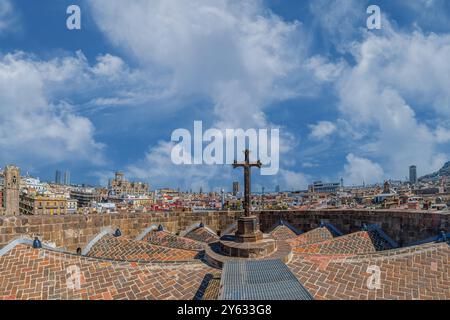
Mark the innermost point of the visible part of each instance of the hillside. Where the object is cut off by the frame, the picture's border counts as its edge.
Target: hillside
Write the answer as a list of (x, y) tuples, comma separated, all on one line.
[(444, 172)]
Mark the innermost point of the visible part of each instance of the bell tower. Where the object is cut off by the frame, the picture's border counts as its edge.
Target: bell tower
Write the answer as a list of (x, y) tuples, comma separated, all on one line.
[(11, 190)]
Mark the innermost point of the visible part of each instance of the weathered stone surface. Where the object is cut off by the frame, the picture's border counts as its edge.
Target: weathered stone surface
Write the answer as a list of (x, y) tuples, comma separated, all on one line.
[(403, 227)]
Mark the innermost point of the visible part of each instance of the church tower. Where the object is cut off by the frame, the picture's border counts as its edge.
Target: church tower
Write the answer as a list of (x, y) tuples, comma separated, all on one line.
[(11, 190)]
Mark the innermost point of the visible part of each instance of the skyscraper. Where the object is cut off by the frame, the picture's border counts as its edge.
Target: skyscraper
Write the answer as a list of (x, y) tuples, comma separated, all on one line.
[(222, 192), (235, 188), (58, 177), (413, 175), (66, 178)]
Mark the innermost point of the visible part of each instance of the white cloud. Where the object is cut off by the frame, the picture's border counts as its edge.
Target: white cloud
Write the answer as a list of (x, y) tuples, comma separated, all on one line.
[(341, 21), (415, 65), (238, 54), (430, 13), (68, 75), (109, 66), (360, 170), (241, 57), (158, 168), (323, 70), (292, 180), (35, 128), (309, 165), (322, 130), (8, 18), (442, 135), (396, 77)]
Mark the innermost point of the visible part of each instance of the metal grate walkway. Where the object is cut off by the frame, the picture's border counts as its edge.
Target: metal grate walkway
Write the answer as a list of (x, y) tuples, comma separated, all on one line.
[(260, 280)]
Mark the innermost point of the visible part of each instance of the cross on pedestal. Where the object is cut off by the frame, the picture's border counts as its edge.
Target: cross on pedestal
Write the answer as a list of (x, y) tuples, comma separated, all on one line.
[(247, 165), (248, 226)]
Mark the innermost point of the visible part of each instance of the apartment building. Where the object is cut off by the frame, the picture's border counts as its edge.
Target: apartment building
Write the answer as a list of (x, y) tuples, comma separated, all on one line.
[(42, 204)]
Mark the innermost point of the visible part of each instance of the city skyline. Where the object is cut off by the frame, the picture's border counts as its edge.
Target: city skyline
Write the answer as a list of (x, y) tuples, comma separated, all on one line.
[(63, 178), (232, 152), (83, 83)]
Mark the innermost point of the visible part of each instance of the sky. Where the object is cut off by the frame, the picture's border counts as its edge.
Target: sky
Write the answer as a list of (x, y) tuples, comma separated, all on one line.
[(351, 103)]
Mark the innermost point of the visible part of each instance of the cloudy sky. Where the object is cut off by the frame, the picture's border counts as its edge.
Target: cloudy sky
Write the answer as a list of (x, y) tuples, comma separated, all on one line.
[(349, 102)]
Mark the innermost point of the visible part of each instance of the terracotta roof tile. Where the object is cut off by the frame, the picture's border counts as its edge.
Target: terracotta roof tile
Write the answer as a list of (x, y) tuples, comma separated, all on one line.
[(421, 272), (283, 232), (167, 239), (313, 236), (110, 247), (203, 235), (27, 273)]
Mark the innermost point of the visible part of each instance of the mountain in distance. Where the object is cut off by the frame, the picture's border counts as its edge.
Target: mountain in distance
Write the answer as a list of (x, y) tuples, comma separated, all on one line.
[(444, 172)]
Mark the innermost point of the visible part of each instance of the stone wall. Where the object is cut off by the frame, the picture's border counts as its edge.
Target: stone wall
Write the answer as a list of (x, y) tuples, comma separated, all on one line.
[(405, 227), (75, 231)]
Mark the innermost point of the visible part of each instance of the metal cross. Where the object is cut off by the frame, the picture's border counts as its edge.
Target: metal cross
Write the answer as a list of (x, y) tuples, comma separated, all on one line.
[(247, 175)]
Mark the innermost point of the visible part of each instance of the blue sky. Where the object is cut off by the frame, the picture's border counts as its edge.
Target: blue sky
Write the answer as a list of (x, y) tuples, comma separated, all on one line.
[(349, 102)]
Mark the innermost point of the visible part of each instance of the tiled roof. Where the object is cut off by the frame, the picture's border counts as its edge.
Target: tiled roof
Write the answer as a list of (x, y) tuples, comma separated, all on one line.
[(313, 236), (202, 234), (210, 288), (110, 247), (167, 239), (28, 273), (421, 272), (283, 232), (355, 243), (345, 267)]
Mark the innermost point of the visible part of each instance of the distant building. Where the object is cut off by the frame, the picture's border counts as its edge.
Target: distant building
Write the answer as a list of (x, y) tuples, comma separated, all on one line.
[(104, 207), (58, 177), (235, 188), (427, 191), (120, 186), (11, 186), (84, 196), (387, 187), (413, 174), (277, 189), (33, 183), (139, 202), (67, 178), (42, 204), (72, 206), (320, 187)]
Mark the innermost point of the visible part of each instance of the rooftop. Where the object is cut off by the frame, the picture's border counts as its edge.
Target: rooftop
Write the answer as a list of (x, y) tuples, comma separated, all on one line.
[(321, 264)]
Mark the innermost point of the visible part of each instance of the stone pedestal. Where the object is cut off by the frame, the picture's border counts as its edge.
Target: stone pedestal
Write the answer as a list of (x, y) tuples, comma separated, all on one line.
[(252, 250), (248, 230)]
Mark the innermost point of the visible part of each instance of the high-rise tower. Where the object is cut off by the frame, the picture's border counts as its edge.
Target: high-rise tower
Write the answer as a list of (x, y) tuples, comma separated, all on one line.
[(413, 175), (67, 178), (235, 188), (58, 177)]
